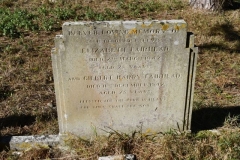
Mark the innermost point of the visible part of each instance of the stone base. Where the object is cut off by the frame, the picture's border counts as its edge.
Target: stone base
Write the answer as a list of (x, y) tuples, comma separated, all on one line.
[(25, 142), (119, 157)]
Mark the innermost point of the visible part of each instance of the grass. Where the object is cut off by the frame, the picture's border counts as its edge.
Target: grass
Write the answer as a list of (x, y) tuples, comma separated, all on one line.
[(27, 100), (218, 144)]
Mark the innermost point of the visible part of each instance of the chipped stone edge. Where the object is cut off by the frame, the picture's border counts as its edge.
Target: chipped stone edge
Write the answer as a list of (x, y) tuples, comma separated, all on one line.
[(119, 157), (20, 143)]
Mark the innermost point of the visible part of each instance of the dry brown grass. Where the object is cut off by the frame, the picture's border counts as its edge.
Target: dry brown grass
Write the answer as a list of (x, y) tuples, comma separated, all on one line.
[(217, 144), (27, 100)]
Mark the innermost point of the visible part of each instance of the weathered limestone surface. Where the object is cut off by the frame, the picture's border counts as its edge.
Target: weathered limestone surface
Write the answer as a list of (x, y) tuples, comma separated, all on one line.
[(124, 76), (27, 142), (119, 157)]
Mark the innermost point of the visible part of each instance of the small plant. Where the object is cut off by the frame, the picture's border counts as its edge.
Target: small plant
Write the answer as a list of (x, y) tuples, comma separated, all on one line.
[(43, 10), (48, 24), (230, 143), (64, 13), (13, 23), (152, 6), (174, 5), (110, 14), (233, 121), (10, 49), (205, 135), (90, 14)]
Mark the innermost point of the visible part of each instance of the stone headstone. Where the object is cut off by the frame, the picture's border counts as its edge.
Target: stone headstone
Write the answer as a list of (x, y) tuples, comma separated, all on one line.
[(124, 76)]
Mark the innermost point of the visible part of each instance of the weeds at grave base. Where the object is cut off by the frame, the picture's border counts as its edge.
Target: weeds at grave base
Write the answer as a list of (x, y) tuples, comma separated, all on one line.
[(232, 122), (203, 145)]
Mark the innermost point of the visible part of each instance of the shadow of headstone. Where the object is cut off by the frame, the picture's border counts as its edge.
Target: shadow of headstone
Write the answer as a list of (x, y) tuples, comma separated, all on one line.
[(212, 117)]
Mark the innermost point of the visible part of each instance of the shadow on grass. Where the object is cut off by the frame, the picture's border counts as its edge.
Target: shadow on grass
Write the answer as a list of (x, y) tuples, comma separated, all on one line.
[(235, 4), (227, 31), (212, 117), (17, 121), (25, 120), (21, 121)]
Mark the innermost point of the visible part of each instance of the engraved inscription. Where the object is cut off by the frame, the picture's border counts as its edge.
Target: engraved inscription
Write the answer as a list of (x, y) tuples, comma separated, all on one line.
[(130, 58), (131, 49), (121, 32), (128, 40), (97, 78), (120, 75), (122, 62), (125, 77), (86, 104)]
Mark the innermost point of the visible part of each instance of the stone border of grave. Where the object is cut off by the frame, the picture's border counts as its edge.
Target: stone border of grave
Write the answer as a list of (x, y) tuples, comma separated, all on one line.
[(23, 143), (19, 143)]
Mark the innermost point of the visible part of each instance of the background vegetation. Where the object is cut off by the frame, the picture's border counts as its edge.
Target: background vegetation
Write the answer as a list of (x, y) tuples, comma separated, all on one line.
[(27, 100)]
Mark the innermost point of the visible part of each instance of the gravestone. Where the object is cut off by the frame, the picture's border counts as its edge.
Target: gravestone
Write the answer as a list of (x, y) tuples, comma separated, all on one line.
[(124, 76)]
